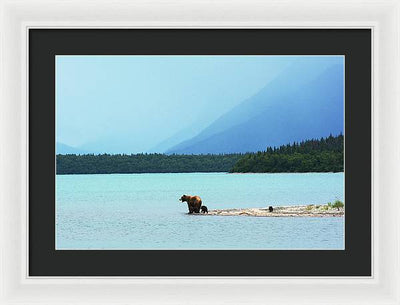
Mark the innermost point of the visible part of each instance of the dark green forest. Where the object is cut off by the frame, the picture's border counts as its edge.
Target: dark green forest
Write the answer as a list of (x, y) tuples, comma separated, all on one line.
[(144, 163), (323, 155)]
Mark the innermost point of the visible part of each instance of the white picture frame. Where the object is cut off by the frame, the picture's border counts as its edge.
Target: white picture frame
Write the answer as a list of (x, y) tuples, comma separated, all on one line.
[(382, 17)]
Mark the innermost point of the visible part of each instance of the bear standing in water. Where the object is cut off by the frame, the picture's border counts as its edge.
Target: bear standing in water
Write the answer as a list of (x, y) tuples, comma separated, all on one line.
[(204, 209), (193, 202)]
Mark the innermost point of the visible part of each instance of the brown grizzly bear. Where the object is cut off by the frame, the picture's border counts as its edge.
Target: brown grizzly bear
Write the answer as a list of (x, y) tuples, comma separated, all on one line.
[(193, 202)]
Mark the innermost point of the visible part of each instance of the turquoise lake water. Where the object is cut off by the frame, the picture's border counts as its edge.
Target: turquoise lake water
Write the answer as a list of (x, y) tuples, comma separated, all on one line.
[(142, 211)]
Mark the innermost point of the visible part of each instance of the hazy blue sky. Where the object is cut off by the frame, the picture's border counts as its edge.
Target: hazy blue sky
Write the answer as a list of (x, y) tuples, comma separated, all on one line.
[(129, 104)]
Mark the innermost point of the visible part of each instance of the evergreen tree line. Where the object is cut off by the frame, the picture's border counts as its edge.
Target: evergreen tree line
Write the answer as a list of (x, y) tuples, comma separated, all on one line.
[(144, 163), (323, 155)]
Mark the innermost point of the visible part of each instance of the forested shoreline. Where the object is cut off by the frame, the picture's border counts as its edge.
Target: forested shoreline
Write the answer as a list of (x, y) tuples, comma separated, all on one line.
[(323, 155), (144, 163)]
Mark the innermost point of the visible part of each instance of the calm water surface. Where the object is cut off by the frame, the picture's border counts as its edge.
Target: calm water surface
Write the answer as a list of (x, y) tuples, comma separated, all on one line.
[(142, 211)]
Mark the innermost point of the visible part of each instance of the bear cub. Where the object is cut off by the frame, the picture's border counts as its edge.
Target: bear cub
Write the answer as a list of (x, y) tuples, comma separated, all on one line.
[(204, 209)]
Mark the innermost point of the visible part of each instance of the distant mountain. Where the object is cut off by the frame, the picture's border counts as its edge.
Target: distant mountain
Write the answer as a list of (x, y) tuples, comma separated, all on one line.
[(182, 135), (301, 103), (65, 149)]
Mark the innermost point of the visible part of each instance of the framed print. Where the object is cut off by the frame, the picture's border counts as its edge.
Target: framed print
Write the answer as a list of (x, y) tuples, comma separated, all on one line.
[(262, 174), (212, 155)]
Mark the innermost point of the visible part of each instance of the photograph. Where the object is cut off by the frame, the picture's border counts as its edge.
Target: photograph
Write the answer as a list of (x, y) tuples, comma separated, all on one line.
[(199, 152), (208, 153)]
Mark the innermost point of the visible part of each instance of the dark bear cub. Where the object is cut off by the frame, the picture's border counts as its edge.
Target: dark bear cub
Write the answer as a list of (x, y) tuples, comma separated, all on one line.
[(270, 208), (204, 209)]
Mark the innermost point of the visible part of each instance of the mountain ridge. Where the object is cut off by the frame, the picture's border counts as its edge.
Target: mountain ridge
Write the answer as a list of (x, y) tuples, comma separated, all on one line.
[(282, 102), (65, 149)]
